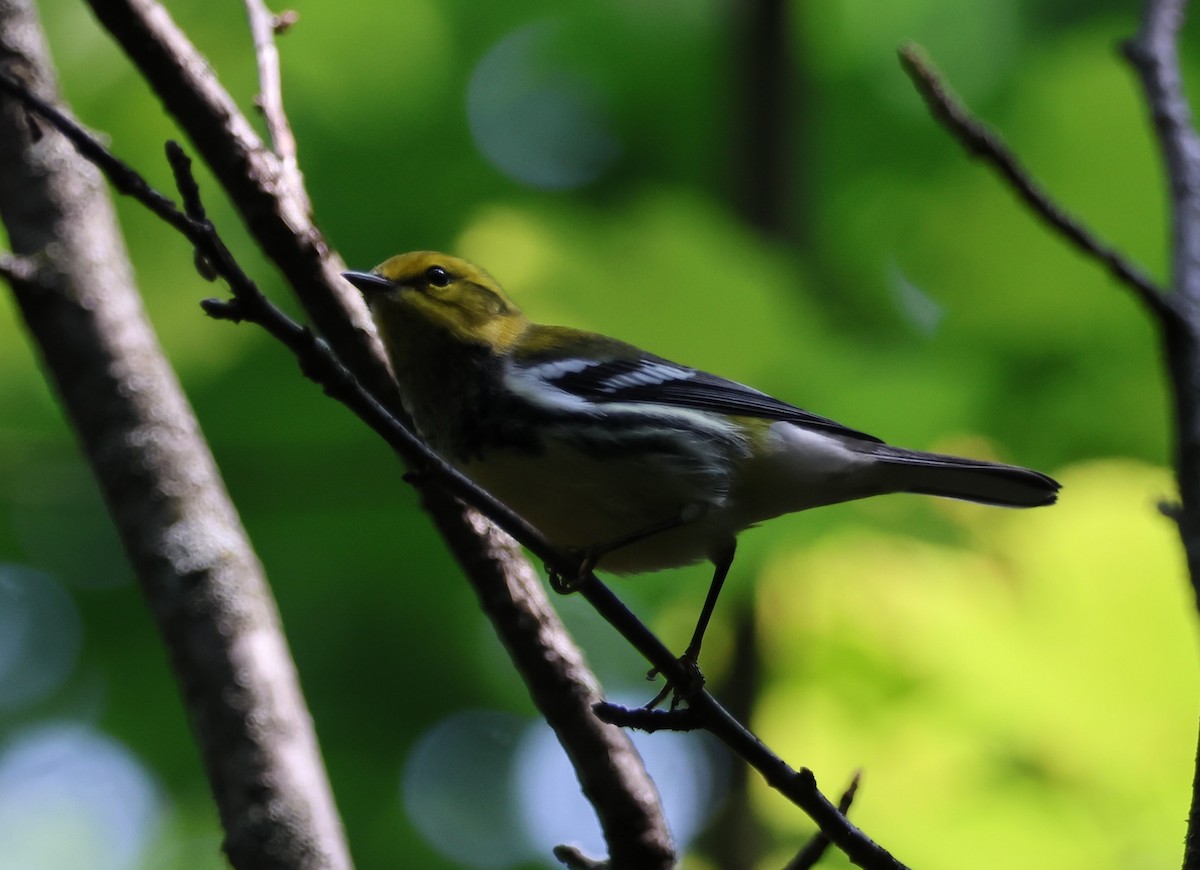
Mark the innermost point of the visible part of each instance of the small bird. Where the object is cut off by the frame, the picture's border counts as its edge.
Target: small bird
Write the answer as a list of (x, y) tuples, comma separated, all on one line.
[(636, 461)]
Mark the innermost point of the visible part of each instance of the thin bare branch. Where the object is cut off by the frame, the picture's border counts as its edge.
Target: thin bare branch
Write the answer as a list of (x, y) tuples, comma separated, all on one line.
[(275, 212), (277, 216), (1154, 54), (264, 25), (982, 142), (572, 858)]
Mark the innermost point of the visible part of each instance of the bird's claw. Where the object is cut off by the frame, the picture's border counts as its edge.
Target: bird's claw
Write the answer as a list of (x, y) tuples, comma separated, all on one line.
[(693, 683), (565, 584)]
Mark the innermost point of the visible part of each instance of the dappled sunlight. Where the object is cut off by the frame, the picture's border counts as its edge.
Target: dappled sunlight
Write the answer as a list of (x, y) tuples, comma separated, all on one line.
[(1037, 690)]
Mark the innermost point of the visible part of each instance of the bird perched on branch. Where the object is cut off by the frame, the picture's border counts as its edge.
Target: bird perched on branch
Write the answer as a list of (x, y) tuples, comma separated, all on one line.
[(637, 461)]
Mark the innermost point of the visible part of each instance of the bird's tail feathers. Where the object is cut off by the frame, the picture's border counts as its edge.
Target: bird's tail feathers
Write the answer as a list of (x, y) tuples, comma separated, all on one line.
[(991, 483)]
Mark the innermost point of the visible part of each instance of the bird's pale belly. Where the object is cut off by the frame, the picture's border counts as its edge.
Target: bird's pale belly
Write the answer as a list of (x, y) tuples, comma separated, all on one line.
[(578, 500)]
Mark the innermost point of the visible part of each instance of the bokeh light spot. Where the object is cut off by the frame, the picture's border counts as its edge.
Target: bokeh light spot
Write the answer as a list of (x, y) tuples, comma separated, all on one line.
[(39, 636), (71, 797), (554, 811), (490, 790), (454, 789), (532, 118)]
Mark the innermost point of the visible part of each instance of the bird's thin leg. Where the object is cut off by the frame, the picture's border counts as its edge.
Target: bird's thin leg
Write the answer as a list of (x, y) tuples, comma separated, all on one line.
[(722, 561)]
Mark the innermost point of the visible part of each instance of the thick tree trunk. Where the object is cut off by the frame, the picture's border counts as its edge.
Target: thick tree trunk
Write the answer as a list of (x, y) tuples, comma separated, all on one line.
[(72, 281)]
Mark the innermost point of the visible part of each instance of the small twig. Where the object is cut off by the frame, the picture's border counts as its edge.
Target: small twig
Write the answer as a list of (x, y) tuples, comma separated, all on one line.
[(193, 206), (572, 858), (816, 847), (284, 21), (17, 269), (644, 719), (982, 142), (223, 309), (264, 26), (185, 182)]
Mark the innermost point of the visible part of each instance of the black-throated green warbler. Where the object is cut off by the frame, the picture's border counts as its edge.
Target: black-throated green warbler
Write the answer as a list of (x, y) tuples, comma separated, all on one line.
[(606, 448)]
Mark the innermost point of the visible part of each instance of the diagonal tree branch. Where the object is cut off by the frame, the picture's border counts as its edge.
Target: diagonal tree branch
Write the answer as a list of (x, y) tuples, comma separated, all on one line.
[(276, 212), (982, 142), (319, 363), (204, 585)]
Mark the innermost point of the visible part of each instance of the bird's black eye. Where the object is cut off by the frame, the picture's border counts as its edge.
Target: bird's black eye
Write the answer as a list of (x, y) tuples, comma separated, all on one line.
[(437, 276)]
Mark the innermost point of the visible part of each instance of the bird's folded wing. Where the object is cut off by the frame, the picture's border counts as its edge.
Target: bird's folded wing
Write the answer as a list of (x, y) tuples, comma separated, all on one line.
[(655, 380)]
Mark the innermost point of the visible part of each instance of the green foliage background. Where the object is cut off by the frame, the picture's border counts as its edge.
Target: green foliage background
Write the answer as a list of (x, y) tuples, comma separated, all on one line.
[(1019, 687)]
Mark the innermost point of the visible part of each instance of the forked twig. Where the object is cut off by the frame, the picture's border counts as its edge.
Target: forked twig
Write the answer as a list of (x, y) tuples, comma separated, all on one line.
[(816, 847)]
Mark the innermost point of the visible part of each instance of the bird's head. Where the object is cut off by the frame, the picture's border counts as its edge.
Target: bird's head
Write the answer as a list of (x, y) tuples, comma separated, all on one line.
[(425, 289)]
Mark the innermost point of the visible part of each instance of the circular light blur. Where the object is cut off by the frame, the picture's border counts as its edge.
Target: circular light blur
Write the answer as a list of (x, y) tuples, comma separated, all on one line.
[(71, 797), (533, 120), (492, 790), (456, 791), (554, 811), (40, 636)]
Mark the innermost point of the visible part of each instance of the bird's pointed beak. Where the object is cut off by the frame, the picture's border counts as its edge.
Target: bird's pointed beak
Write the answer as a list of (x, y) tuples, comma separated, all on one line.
[(368, 283)]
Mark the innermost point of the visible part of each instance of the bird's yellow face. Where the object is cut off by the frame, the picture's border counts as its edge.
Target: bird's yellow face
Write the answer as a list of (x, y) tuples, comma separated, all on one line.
[(427, 290)]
